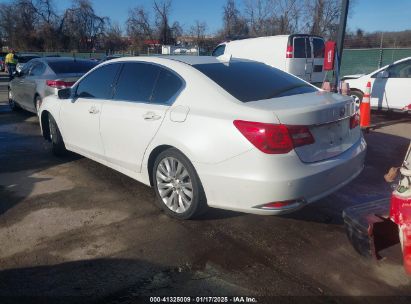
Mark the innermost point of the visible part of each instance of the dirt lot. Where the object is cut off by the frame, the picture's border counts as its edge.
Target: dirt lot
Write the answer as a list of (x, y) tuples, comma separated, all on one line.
[(71, 226)]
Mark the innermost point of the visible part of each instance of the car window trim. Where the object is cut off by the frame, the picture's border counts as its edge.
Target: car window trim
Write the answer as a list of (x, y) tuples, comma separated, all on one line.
[(174, 97)]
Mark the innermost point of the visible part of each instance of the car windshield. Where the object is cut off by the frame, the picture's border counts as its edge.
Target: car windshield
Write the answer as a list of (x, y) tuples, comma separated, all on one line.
[(72, 67), (24, 59), (250, 81)]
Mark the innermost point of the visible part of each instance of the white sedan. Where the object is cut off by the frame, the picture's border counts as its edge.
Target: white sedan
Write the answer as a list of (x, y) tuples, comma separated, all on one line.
[(390, 86), (237, 135)]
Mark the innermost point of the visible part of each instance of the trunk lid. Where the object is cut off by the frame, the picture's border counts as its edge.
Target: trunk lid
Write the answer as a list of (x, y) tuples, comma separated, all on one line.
[(326, 115)]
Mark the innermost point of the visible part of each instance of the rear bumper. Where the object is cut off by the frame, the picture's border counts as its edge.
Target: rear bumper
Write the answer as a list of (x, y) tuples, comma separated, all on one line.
[(253, 179)]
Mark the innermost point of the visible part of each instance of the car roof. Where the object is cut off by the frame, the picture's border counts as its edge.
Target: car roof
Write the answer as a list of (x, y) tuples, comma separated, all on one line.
[(62, 59), (187, 59)]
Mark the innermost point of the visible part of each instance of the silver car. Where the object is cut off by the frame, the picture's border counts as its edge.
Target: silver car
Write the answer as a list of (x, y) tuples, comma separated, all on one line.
[(41, 77)]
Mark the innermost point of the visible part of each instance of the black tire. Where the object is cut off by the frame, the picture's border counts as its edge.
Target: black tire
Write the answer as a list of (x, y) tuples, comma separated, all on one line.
[(198, 204), (12, 104), (58, 147)]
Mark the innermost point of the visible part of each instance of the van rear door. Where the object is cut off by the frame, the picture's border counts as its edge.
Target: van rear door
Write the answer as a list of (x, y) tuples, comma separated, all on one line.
[(301, 63), (317, 46)]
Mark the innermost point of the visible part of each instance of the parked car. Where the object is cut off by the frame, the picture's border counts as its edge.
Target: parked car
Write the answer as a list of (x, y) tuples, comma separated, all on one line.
[(390, 86), (42, 77), (22, 59), (236, 135), (298, 54)]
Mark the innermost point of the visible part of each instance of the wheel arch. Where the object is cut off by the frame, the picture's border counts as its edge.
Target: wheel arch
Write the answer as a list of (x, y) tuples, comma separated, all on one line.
[(153, 155)]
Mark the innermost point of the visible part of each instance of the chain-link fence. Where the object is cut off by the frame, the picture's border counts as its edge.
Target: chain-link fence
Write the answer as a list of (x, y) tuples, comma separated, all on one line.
[(363, 61)]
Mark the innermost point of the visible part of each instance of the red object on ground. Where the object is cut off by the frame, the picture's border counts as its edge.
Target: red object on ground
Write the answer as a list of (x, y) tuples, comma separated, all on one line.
[(400, 213), (329, 55), (365, 110)]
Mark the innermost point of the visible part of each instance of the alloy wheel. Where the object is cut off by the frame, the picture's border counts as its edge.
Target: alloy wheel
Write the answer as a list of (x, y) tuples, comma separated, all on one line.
[(174, 185)]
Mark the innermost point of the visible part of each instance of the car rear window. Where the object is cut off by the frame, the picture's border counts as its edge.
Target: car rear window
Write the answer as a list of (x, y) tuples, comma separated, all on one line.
[(24, 59), (250, 81), (71, 67)]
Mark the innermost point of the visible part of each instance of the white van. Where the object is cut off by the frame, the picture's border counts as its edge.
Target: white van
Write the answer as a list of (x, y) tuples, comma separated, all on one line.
[(298, 54)]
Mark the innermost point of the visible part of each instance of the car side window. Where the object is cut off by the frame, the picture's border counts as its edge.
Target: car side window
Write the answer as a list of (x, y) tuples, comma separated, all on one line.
[(168, 84), (99, 83), (219, 50), (37, 69), (136, 82), (25, 70), (400, 70)]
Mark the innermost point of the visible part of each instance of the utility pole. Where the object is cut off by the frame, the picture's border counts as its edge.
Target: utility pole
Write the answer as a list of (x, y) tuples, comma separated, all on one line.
[(341, 36)]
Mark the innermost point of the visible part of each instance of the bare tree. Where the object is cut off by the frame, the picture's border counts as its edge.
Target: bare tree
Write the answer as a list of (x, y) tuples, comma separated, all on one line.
[(162, 10), (234, 24), (260, 17), (322, 17), (198, 31), (139, 25), (82, 25)]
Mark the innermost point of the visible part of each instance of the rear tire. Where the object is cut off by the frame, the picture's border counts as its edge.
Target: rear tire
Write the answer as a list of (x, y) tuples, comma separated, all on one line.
[(178, 188), (58, 147)]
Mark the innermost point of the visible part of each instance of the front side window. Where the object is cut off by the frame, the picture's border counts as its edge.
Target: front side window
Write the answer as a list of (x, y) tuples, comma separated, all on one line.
[(400, 70), (98, 84), (168, 84), (219, 50), (136, 82), (250, 81)]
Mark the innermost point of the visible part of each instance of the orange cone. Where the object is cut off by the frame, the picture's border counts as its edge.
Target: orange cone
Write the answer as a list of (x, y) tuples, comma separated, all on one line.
[(365, 110)]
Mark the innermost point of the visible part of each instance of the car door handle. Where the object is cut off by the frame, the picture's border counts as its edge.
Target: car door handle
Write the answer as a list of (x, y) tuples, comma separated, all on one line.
[(151, 116), (93, 110)]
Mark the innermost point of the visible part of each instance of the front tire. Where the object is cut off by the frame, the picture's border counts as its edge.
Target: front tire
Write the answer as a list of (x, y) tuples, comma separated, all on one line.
[(178, 188), (12, 104), (37, 103), (58, 147)]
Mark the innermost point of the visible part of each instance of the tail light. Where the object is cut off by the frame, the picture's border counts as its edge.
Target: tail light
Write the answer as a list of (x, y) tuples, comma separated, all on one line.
[(354, 121), (274, 139), (289, 53), (59, 84), (282, 205)]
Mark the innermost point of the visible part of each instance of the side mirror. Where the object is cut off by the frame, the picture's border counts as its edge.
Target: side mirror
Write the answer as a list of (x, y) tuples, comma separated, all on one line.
[(64, 93), (383, 74)]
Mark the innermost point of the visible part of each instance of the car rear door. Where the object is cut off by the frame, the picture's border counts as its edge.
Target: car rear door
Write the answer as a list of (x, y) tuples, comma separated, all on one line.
[(130, 120), (301, 63), (397, 86), (80, 116)]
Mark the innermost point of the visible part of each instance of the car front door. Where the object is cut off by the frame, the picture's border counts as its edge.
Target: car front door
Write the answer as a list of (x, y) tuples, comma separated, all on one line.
[(397, 86), (80, 115), (18, 85), (28, 88), (130, 120)]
